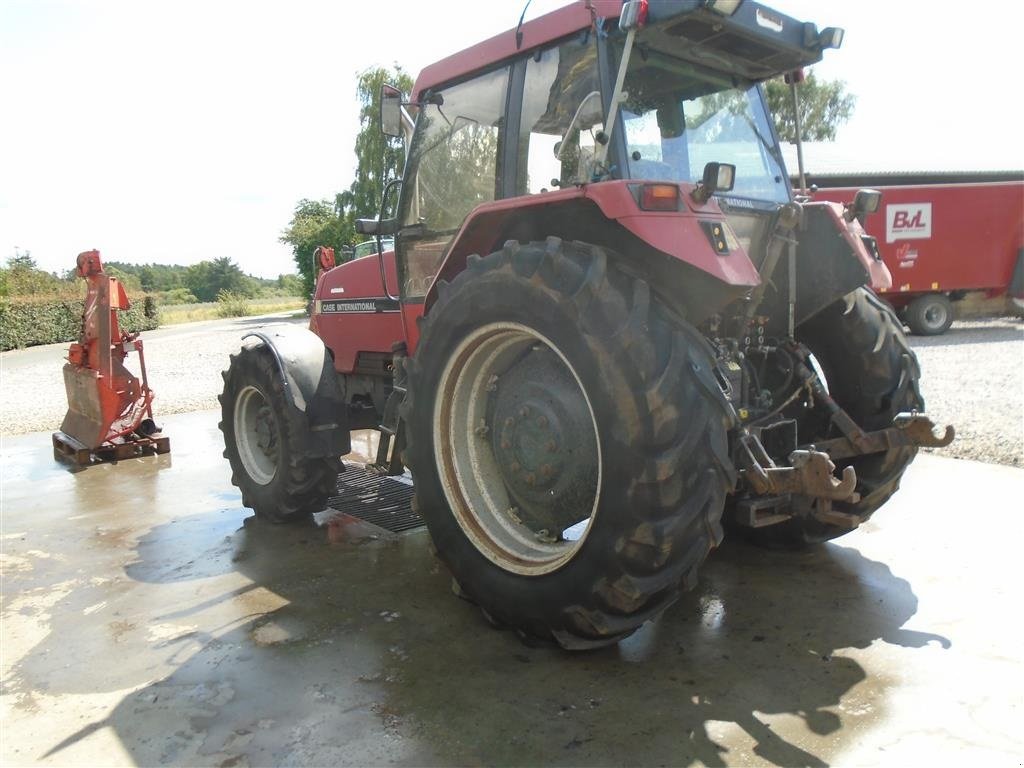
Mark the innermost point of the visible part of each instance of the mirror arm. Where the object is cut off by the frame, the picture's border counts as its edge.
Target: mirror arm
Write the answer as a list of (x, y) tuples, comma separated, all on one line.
[(575, 119), (394, 183)]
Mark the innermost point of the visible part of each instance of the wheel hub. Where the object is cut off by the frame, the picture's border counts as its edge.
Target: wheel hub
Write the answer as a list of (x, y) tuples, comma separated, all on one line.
[(517, 448), (542, 441), (256, 435), (266, 433)]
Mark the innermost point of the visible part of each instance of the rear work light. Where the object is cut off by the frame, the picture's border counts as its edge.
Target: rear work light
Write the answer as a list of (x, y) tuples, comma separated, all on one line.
[(659, 197)]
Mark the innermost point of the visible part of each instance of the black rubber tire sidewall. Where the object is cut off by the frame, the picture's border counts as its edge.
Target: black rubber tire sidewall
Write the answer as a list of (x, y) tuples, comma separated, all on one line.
[(544, 605), (301, 483)]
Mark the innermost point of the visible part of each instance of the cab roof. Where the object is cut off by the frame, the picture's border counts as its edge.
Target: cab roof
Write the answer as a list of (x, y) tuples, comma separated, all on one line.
[(753, 43)]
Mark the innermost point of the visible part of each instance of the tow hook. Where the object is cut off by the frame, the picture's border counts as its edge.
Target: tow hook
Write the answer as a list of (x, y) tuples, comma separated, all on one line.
[(811, 473), (920, 430), (807, 486), (910, 429)]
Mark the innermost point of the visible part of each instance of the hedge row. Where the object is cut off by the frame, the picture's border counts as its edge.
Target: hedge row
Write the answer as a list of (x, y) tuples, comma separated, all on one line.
[(29, 320)]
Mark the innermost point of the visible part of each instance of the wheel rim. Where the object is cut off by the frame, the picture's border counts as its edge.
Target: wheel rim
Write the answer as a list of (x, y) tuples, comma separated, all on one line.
[(935, 315), (517, 448), (256, 435)]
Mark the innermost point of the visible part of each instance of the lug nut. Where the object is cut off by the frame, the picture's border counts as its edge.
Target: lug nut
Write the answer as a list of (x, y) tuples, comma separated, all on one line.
[(505, 444), (546, 470), (524, 412), (531, 478), (509, 422), (552, 446), (542, 422), (514, 466)]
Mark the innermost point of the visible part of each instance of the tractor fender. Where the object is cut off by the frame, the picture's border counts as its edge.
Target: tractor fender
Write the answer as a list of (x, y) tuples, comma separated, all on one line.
[(311, 386), (574, 213)]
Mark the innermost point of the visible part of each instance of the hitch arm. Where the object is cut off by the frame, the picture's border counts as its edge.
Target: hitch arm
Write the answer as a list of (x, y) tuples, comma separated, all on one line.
[(909, 429)]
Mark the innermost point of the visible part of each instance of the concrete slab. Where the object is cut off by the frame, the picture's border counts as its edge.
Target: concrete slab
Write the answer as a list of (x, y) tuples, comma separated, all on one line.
[(148, 619)]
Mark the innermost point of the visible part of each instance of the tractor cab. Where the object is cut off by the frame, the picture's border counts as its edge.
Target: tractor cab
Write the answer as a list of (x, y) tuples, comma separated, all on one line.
[(595, 95)]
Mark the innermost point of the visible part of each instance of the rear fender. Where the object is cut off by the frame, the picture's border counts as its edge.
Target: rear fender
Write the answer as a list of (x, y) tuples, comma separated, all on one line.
[(829, 267), (311, 386), (602, 214)]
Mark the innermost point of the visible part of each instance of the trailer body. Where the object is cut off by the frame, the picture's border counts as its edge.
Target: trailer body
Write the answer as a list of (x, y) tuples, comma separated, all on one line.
[(943, 235)]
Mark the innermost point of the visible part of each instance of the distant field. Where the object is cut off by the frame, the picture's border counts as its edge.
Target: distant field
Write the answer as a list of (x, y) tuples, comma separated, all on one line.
[(172, 314)]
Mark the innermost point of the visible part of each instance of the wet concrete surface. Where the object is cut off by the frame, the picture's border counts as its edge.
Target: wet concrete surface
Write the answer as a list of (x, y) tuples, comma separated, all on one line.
[(148, 619)]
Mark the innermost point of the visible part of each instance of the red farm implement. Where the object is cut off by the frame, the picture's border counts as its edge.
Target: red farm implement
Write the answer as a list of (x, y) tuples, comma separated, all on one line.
[(110, 411)]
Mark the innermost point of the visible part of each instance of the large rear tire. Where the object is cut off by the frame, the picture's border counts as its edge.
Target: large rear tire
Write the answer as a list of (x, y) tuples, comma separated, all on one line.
[(873, 374), (568, 442), (265, 443)]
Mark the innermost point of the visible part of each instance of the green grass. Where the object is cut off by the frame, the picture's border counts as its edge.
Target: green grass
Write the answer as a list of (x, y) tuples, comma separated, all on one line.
[(173, 314)]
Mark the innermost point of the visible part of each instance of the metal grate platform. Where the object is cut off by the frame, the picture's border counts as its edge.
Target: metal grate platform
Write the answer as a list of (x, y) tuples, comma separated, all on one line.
[(381, 500)]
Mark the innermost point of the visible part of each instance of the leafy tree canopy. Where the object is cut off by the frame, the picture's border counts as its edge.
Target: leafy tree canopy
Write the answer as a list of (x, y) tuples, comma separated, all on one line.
[(22, 277), (314, 223), (378, 159), (824, 106)]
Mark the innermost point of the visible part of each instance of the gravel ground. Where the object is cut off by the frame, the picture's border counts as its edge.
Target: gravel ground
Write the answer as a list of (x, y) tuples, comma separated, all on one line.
[(972, 377), (184, 363)]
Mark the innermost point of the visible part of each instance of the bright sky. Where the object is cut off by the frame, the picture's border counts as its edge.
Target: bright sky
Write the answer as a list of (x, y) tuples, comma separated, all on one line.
[(172, 132)]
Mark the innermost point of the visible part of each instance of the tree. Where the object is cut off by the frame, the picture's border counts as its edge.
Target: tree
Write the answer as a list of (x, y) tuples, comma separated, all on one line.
[(824, 106), (314, 223), (290, 285), (378, 157), (207, 279), (22, 277)]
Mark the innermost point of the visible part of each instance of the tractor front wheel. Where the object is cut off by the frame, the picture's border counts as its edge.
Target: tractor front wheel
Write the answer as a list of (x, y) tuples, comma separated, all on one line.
[(568, 442), (265, 443)]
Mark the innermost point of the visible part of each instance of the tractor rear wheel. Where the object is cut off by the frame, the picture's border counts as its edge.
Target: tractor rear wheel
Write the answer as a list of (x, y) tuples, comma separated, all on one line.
[(568, 442), (873, 374), (265, 443)]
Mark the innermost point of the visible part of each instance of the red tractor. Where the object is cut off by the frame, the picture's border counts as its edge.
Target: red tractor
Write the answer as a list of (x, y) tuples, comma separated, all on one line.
[(607, 330)]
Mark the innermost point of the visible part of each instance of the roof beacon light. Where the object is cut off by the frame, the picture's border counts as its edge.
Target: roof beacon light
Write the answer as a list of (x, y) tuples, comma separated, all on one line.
[(723, 7)]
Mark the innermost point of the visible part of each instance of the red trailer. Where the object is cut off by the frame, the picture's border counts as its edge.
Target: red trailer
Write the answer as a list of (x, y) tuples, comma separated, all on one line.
[(941, 235)]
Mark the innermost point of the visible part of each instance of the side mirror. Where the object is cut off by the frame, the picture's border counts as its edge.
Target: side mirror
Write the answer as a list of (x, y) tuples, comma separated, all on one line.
[(390, 111), (382, 227), (718, 177)]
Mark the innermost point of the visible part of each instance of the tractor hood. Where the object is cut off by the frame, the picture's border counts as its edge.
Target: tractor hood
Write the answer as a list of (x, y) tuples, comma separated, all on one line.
[(739, 37)]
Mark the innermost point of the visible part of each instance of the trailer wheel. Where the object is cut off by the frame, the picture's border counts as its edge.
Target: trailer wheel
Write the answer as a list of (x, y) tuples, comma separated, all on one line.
[(929, 315), (568, 442), (873, 374), (264, 441)]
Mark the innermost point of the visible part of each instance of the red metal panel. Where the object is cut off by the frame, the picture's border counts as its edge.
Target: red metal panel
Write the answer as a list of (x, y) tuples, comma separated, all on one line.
[(946, 237), (544, 29), (677, 234), (348, 333)]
